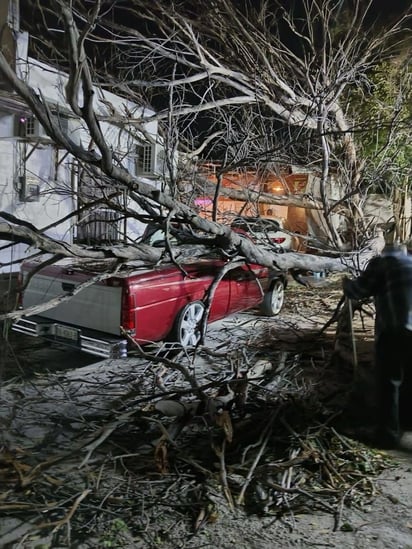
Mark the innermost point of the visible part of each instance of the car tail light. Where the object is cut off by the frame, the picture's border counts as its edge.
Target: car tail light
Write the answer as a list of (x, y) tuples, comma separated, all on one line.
[(128, 319), (279, 240)]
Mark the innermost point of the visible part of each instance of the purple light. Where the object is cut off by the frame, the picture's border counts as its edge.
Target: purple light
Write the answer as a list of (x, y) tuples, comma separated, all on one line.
[(203, 201)]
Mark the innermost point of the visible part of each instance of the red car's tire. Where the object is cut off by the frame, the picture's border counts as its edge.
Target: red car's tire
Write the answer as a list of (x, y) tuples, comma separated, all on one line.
[(187, 330), (273, 300)]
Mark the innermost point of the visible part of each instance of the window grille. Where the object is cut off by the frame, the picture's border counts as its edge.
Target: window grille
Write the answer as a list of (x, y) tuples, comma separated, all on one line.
[(30, 126), (99, 226), (145, 160)]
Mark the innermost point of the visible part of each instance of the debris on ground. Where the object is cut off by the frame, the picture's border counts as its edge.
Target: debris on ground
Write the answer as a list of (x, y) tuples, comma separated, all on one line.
[(144, 452)]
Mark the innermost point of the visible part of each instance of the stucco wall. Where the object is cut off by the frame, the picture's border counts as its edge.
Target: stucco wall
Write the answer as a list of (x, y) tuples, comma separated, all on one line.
[(51, 169)]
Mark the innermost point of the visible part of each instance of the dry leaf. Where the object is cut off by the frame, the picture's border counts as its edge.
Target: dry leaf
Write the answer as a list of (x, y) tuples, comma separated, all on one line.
[(200, 520), (259, 369), (161, 460)]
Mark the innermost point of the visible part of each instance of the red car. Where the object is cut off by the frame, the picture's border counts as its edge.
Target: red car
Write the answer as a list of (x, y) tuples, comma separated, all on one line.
[(160, 303)]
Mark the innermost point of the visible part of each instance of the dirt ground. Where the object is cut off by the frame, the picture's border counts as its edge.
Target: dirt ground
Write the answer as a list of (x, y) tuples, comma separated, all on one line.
[(88, 458)]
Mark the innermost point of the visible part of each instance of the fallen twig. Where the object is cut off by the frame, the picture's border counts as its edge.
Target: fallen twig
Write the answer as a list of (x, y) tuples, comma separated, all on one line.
[(266, 435)]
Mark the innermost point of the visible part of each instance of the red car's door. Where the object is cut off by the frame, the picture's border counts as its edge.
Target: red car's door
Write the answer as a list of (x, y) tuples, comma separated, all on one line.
[(207, 272), (247, 285), (161, 296)]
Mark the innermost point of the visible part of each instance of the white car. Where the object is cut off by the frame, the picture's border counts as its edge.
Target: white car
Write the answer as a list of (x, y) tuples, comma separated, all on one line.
[(263, 230)]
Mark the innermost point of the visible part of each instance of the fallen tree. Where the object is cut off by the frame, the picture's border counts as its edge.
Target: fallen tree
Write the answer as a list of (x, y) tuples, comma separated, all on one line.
[(293, 105), (239, 95)]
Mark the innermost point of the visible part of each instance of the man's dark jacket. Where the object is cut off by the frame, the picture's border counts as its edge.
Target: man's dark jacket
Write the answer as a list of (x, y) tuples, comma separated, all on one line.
[(388, 278)]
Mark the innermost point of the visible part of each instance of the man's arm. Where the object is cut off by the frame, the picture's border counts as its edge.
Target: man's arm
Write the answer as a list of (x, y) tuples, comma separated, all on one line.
[(367, 283)]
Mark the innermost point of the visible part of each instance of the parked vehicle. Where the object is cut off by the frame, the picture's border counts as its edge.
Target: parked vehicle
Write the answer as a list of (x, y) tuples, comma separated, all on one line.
[(263, 230), (165, 302)]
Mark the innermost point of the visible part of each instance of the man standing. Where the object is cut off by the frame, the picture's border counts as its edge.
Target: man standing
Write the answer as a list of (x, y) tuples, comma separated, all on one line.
[(388, 278)]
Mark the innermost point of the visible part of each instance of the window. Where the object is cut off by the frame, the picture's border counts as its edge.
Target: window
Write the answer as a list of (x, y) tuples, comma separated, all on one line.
[(28, 127), (100, 223), (98, 226), (145, 159)]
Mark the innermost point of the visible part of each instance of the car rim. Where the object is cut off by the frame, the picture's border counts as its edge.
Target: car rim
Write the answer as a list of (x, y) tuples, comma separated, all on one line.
[(190, 325), (277, 297)]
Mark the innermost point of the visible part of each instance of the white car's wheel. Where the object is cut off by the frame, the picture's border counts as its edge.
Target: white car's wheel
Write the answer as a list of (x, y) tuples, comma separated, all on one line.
[(188, 326), (273, 300)]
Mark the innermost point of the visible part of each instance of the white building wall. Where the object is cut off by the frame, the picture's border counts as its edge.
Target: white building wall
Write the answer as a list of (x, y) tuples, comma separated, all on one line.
[(52, 204), (56, 199)]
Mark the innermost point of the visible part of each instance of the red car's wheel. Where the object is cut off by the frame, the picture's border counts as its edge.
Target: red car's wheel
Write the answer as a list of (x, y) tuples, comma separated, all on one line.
[(188, 325), (273, 301)]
